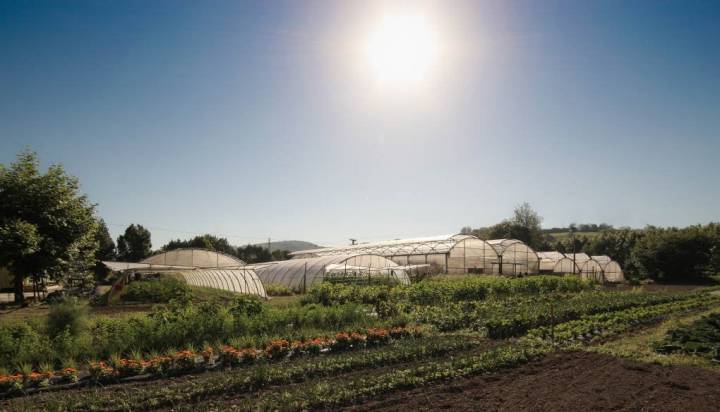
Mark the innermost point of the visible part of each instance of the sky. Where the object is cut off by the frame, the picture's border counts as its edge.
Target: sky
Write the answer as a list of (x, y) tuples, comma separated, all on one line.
[(263, 119)]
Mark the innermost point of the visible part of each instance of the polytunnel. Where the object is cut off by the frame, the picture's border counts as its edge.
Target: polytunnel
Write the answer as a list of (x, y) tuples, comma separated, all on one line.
[(299, 274), (578, 258), (516, 257), (591, 270), (244, 281), (556, 262), (612, 271), (194, 257), (449, 253)]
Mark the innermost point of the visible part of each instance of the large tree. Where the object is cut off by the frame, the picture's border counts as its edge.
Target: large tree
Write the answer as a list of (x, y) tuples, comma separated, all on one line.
[(46, 226), (134, 245), (524, 226)]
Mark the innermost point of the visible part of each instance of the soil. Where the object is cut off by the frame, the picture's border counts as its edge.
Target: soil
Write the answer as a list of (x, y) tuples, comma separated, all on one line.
[(569, 381)]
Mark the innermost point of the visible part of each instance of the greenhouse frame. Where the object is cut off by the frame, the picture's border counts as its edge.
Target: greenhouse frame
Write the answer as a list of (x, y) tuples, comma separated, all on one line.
[(556, 262), (301, 273), (516, 258), (244, 281), (612, 271), (447, 253), (591, 270), (194, 257), (197, 267)]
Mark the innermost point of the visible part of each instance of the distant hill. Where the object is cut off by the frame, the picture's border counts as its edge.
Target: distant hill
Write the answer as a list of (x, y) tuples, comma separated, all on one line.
[(291, 245)]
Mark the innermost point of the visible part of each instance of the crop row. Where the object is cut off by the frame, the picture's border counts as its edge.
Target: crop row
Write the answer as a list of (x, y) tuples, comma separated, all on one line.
[(514, 317), (604, 324), (189, 360), (247, 380), (439, 292)]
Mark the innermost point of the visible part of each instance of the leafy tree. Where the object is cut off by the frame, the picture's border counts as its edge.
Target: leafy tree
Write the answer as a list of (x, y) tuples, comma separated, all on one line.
[(134, 245), (106, 246), (280, 254), (254, 254), (524, 226), (206, 241), (46, 226)]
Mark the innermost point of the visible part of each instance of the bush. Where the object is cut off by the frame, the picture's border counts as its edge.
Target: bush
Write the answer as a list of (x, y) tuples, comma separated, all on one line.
[(161, 290), (69, 315), (276, 289)]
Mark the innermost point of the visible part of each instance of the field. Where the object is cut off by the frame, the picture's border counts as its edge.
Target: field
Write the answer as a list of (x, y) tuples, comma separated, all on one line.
[(538, 343)]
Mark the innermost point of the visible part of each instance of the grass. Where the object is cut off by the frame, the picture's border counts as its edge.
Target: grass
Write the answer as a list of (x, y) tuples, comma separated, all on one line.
[(638, 346)]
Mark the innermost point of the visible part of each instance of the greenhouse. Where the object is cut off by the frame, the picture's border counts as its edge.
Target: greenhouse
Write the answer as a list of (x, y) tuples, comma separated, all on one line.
[(611, 269), (193, 257), (198, 267), (591, 270), (447, 253), (243, 281), (301, 273), (578, 258), (516, 257), (556, 262)]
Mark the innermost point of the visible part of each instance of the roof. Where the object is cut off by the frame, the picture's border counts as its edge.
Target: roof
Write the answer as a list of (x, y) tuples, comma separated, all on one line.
[(554, 255), (501, 244), (194, 258), (603, 259), (579, 257), (411, 246)]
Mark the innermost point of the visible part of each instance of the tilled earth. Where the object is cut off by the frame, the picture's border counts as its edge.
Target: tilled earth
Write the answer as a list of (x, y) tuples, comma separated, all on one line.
[(567, 381)]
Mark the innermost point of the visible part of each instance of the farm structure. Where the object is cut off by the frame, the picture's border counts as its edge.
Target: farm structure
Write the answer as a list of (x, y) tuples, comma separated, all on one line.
[(447, 253), (301, 273), (515, 257), (197, 267), (556, 262), (611, 269)]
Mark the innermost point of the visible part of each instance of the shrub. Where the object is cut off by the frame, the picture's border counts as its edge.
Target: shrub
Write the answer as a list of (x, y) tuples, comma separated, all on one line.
[(277, 289), (161, 290), (69, 315)]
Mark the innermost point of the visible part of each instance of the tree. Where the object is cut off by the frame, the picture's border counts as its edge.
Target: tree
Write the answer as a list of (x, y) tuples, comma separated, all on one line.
[(206, 241), (524, 226), (134, 245), (254, 254), (47, 228), (106, 246)]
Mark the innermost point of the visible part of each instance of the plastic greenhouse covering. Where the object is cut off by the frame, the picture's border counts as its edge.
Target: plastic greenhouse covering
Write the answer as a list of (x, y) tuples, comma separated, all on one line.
[(299, 274), (197, 258), (243, 281), (515, 257), (611, 269), (451, 253), (556, 262), (591, 270)]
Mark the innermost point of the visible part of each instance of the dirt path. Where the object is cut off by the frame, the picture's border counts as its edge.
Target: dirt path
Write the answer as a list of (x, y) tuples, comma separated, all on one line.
[(570, 381)]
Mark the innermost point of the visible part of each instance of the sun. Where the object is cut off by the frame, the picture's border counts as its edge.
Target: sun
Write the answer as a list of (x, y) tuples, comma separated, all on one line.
[(402, 50)]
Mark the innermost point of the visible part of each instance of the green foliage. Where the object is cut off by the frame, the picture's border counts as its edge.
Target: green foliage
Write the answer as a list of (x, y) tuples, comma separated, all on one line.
[(247, 305), (46, 225), (69, 315), (160, 290), (277, 289), (441, 291), (604, 324), (134, 245), (701, 337)]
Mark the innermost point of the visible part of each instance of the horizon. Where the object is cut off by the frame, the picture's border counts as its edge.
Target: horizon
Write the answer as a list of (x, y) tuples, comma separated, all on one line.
[(248, 120)]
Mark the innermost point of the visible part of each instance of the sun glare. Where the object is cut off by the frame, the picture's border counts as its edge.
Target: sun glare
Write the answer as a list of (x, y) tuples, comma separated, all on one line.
[(402, 50)]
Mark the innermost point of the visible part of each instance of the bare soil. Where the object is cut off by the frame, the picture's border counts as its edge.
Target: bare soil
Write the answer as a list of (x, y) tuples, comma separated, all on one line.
[(569, 381)]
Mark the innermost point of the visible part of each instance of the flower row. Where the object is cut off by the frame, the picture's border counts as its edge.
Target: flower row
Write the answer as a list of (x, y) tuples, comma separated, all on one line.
[(188, 360), (20, 381)]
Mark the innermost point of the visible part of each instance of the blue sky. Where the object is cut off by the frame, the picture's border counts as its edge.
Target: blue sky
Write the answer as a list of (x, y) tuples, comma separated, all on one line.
[(257, 119)]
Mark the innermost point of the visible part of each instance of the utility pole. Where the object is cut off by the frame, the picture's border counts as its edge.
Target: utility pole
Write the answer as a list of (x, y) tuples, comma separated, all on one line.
[(352, 241)]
